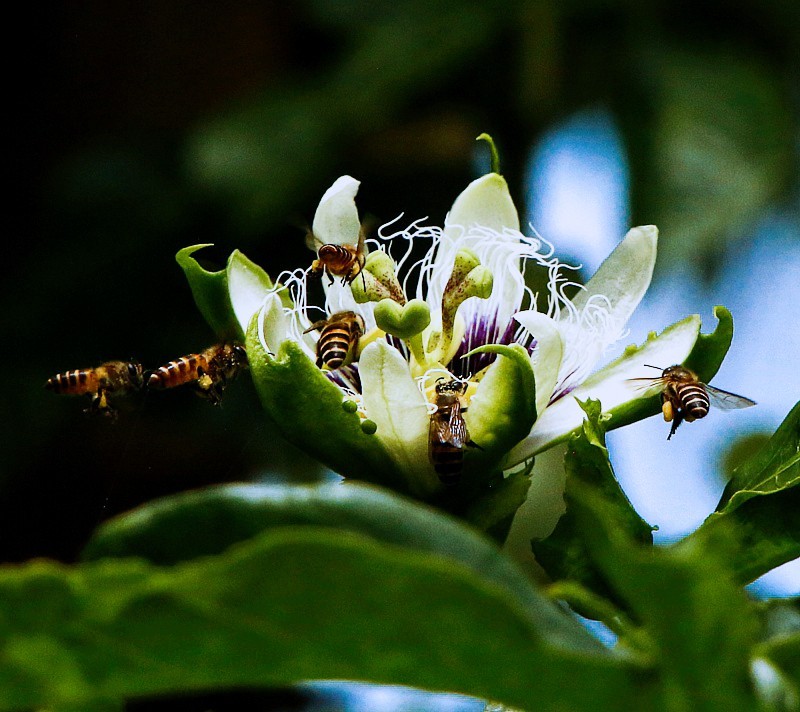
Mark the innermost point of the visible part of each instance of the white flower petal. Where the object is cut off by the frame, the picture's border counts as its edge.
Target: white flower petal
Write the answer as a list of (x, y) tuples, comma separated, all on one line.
[(483, 219), (273, 324), (486, 202), (248, 284), (546, 358), (610, 386), (599, 312), (624, 276), (336, 220), (392, 399)]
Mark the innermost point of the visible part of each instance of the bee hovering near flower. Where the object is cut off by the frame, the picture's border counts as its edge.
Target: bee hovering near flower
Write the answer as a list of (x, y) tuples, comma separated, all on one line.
[(338, 338), (209, 371), (448, 434), (685, 397), (108, 380), (345, 261)]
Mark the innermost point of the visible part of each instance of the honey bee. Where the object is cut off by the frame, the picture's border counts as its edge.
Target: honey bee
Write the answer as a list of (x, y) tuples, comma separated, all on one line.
[(345, 261), (104, 382), (685, 397), (209, 371), (338, 338), (447, 432)]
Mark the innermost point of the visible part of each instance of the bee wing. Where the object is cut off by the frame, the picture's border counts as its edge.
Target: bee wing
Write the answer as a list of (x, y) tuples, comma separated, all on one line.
[(454, 429), (312, 241), (646, 384), (727, 401), (362, 242)]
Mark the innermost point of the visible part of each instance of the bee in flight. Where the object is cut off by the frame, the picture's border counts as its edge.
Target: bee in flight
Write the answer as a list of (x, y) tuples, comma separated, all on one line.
[(685, 397), (107, 381), (447, 432), (338, 338), (209, 371), (345, 261)]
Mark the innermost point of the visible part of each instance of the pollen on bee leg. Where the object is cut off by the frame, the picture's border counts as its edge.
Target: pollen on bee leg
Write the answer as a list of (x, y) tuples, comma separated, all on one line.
[(668, 412), (205, 382)]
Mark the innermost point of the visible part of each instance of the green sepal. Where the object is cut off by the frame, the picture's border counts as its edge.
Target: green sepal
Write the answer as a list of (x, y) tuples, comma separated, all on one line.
[(211, 290), (503, 409), (704, 359), (307, 410), (710, 349)]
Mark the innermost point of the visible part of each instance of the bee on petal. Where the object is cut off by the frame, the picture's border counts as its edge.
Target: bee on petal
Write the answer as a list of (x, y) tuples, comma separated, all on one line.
[(103, 383), (447, 432), (685, 397), (208, 371), (345, 261), (338, 339)]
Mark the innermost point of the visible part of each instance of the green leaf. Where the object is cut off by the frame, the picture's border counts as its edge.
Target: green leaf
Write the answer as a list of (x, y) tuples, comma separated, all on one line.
[(760, 505), (701, 623), (224, 296), (776, 665), (290, 605), (766, 531), (209, 521), (774, 468), (565, 554)]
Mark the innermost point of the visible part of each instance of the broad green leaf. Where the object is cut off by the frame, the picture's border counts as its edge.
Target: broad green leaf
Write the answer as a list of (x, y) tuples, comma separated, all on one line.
[(566, 554), (765, 529), (290, 605), (701, 622), (209, 521), (774, 468), (224, 296), (760, 505)]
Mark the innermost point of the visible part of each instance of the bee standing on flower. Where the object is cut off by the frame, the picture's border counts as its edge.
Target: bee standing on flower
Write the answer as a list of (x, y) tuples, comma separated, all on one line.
[(338, 339), (109, 380), (685, 397), (345, 261), (448, 434), (209, 371)]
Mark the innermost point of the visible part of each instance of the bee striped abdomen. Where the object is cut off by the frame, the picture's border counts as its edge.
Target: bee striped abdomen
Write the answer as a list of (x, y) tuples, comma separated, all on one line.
[(333, 346), (177, 372), (336, 257), (75, 382), (694, 400), (448, 462)]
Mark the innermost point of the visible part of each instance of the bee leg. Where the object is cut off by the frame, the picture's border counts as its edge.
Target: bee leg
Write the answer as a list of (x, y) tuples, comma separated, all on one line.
[(473, 444), (100, 404), (668, 411), (675, 423)]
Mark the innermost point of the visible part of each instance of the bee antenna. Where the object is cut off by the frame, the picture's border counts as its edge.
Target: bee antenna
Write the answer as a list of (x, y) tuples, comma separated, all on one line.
[(658, 368)]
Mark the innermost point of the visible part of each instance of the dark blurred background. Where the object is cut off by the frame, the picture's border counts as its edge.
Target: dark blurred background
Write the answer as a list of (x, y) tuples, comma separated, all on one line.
[(150, 126)]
